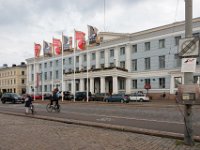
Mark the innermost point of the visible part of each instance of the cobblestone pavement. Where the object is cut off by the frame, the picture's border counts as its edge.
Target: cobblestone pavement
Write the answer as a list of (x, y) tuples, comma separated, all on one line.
[(23, 133)]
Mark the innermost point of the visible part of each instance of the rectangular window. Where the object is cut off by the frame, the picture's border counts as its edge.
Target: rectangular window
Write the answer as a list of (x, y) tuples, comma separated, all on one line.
[(177, 60), (70, 60), (45, 76), (85, 57), (161, 61), (161, 83), (147, 63), (77, 59), (134, 65), (134, 84), (40, 66), (57, 74), (93, 56), (45, 65), (102, 66), (134, 48), (102, 54), (32, 67), (57, 62), (176, 40), (121, 84), (147, 46), (112, 65), (45, 88), (50, 75), (177, 81), (112, 53), (63, 61), (23, 81), (23, 73), (50, 63), (122, 64), (162, 43), (147, 81), (77, 68), (122, 50)]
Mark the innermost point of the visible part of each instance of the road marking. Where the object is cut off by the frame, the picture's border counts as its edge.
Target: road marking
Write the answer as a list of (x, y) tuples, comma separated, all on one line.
[(104, 119)]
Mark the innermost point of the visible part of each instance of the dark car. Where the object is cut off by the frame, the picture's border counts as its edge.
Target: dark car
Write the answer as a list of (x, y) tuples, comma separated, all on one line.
[(82, 96), (48, 96), (11, 97), (99, 96), (123, 98), (68, 95)]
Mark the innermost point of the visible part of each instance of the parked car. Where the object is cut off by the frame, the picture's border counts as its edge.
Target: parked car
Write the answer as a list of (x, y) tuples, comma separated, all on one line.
[(37, 96), (11, 97), (68, 95), (99, 96), (47, 96), (123, 98), (82, 96), (139, 97)]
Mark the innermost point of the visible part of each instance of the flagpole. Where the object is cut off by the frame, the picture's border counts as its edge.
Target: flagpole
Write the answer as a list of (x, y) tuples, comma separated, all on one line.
[(34, 73), (52, 65), (74, 63), (62, 67), (42, 74)]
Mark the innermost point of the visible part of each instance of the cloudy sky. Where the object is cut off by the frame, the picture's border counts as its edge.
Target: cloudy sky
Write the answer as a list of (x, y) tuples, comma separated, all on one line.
[(23, 22)]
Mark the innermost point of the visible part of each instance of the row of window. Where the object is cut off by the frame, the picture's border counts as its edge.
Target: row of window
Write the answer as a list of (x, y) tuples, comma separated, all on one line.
[(10, 82), (148, 81), (10, 73)]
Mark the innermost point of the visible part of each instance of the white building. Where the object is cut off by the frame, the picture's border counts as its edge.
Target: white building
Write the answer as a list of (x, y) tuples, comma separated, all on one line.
[(121, 63)]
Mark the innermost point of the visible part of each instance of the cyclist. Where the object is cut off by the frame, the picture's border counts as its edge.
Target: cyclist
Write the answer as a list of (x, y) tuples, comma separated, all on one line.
[(55, 97), (28, 102)]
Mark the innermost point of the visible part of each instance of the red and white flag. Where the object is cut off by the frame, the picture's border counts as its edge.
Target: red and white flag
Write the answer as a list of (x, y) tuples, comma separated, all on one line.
[(57, 46), (80, 40), (37, 49)]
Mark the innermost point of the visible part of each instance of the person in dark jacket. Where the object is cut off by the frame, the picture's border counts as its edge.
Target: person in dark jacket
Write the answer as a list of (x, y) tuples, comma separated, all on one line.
[(28, 102), (55, 96)]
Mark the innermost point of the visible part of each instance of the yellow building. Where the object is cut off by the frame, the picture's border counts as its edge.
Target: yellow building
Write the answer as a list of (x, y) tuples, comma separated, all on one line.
[(13, 79)]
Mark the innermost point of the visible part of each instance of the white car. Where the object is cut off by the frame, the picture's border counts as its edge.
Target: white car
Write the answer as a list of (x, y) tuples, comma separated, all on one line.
[(139, 97)]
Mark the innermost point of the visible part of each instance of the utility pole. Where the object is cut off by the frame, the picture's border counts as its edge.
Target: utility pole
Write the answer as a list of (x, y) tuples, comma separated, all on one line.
[(188, 78)]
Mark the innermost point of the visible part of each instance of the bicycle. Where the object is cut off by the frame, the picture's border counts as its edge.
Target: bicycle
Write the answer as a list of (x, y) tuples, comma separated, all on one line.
[(51, 108), (32, 108)]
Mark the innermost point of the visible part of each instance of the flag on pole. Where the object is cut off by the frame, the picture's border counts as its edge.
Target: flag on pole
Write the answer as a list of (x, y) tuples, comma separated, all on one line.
[(80, 40), (57, 46), (47, 48), (37, 48), (92, 34), (67, 42)]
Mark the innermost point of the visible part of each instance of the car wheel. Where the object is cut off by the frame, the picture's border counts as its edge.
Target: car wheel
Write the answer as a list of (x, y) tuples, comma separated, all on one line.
[(122, 101), (106, 100), (3, 101), (141, 100), (13, 101)]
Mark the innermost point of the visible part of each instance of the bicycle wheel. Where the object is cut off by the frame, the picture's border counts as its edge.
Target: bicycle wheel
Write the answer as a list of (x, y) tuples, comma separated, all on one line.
[(32, 109), (57, 108), (49, 108)]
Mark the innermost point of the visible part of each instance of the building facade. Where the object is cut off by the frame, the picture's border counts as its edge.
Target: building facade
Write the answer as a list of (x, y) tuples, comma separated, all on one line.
[(121, 63), (13, 79)]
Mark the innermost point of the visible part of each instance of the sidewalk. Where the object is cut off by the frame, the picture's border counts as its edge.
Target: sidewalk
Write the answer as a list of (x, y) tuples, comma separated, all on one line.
[(26, 133)]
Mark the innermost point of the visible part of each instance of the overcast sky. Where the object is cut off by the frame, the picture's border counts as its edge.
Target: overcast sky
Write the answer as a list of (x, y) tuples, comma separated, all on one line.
[(23, 22)]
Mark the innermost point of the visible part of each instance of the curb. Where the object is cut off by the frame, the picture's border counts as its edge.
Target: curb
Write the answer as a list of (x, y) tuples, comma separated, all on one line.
[(107, 126)]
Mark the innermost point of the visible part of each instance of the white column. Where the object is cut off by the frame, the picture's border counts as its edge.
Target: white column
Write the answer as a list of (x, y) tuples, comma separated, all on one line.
[(116, 56), (102, 85), (92, 85), (106, 57), (88, 60), (73, 87), (128, 85), (128, 57), (97, 59), (115, 85), (81, 85), (172, 85), (80, 62)]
